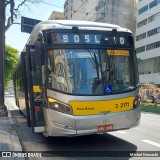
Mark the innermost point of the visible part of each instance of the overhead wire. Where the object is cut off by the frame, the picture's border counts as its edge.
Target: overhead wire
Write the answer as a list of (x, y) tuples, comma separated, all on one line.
[(52, 5), (88, 13), (79, 7)]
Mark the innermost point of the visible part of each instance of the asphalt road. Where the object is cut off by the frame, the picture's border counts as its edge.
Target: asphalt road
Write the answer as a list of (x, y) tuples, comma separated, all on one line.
[(145, 137)]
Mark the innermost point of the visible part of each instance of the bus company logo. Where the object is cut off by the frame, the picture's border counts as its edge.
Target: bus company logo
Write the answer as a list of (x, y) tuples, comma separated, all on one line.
[(105, 121), (6, 154)]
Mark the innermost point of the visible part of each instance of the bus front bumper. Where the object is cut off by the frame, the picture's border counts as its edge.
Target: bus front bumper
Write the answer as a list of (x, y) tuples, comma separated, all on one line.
[(69, 125)]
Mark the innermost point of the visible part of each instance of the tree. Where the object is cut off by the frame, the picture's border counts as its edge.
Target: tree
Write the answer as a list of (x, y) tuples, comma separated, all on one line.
[(13, 9), (11, 59)]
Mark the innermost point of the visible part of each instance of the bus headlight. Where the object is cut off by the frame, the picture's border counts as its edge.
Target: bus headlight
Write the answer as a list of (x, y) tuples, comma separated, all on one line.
[(59, 106), (137, 102)]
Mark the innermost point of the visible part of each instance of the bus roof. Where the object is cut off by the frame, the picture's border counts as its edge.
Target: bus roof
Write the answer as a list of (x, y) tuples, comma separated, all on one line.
[(68, 24)]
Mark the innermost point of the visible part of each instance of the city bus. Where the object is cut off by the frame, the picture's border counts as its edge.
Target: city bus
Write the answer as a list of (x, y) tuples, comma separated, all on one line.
[(78, 78)]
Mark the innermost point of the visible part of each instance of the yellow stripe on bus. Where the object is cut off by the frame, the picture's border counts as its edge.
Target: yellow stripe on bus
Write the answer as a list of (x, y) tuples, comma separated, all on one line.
[(81, 108)]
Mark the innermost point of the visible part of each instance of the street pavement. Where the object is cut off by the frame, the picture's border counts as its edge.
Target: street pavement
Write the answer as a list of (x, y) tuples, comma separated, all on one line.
[(9, 140)]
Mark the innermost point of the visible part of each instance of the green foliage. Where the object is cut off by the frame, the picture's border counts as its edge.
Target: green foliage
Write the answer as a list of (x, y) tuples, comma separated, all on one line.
[(11, 59), (150, 104), (150, 107)]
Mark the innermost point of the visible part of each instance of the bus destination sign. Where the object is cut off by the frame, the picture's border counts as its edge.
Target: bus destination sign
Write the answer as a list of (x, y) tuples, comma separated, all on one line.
[(90, 38)]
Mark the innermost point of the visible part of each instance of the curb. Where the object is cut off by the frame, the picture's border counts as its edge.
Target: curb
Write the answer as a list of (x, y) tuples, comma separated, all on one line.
[(150, 113), (14, 136)]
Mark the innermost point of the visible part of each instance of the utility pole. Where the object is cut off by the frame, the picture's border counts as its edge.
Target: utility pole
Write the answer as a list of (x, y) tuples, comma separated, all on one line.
[(3, 109)]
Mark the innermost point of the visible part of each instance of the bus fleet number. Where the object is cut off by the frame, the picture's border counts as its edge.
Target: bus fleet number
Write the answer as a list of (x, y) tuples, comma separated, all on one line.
[(122, 105)]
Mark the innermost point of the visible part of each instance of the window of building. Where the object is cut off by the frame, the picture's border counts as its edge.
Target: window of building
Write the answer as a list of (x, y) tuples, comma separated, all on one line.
[(153, 46), (140, 49), (153, 4), (151, 18), (154, 17), (143, 9), (149, 6), (140, 37), (157, 16), (142, 23), (153, 32)]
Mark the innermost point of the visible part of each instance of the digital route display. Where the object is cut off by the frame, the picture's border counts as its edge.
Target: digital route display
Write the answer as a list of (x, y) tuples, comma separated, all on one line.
[(89, 38)]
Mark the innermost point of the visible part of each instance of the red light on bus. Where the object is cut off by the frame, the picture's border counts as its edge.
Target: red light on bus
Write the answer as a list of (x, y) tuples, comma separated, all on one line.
[(37, 108)]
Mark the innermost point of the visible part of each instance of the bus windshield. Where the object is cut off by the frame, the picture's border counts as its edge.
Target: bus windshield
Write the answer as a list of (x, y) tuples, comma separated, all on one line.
[(99, 72)]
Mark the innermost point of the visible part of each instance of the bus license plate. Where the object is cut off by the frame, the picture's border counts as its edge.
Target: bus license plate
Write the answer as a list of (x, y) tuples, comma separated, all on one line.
[(105, 128)]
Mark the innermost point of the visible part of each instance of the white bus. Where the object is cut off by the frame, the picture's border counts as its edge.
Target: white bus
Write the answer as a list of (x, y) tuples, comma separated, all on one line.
[(78, 78)]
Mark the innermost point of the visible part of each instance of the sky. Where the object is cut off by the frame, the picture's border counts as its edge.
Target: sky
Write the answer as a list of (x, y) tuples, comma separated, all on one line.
[(17, 39)]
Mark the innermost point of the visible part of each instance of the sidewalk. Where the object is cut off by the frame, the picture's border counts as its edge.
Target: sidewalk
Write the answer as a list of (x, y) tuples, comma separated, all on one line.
[(9, 140)]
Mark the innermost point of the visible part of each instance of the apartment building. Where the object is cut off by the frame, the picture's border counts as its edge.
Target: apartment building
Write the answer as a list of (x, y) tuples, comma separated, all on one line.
[(148, 41), (119, 12)]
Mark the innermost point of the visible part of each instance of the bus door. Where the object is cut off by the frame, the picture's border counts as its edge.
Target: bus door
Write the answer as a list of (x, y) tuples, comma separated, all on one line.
[(25, 86), (34, 81)]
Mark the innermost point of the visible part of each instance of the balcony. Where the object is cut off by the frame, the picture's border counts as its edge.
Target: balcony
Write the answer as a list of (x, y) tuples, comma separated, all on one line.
[(100, 16), (100, 5), (66, 4)]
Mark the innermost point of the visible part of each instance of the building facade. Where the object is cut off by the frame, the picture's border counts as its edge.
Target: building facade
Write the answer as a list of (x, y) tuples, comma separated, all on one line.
[(148, 41), (79, 9), (56, 16), (119, 12)]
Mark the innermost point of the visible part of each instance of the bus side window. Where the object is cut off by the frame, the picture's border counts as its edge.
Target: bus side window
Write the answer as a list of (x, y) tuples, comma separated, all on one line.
[(36, 71)]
